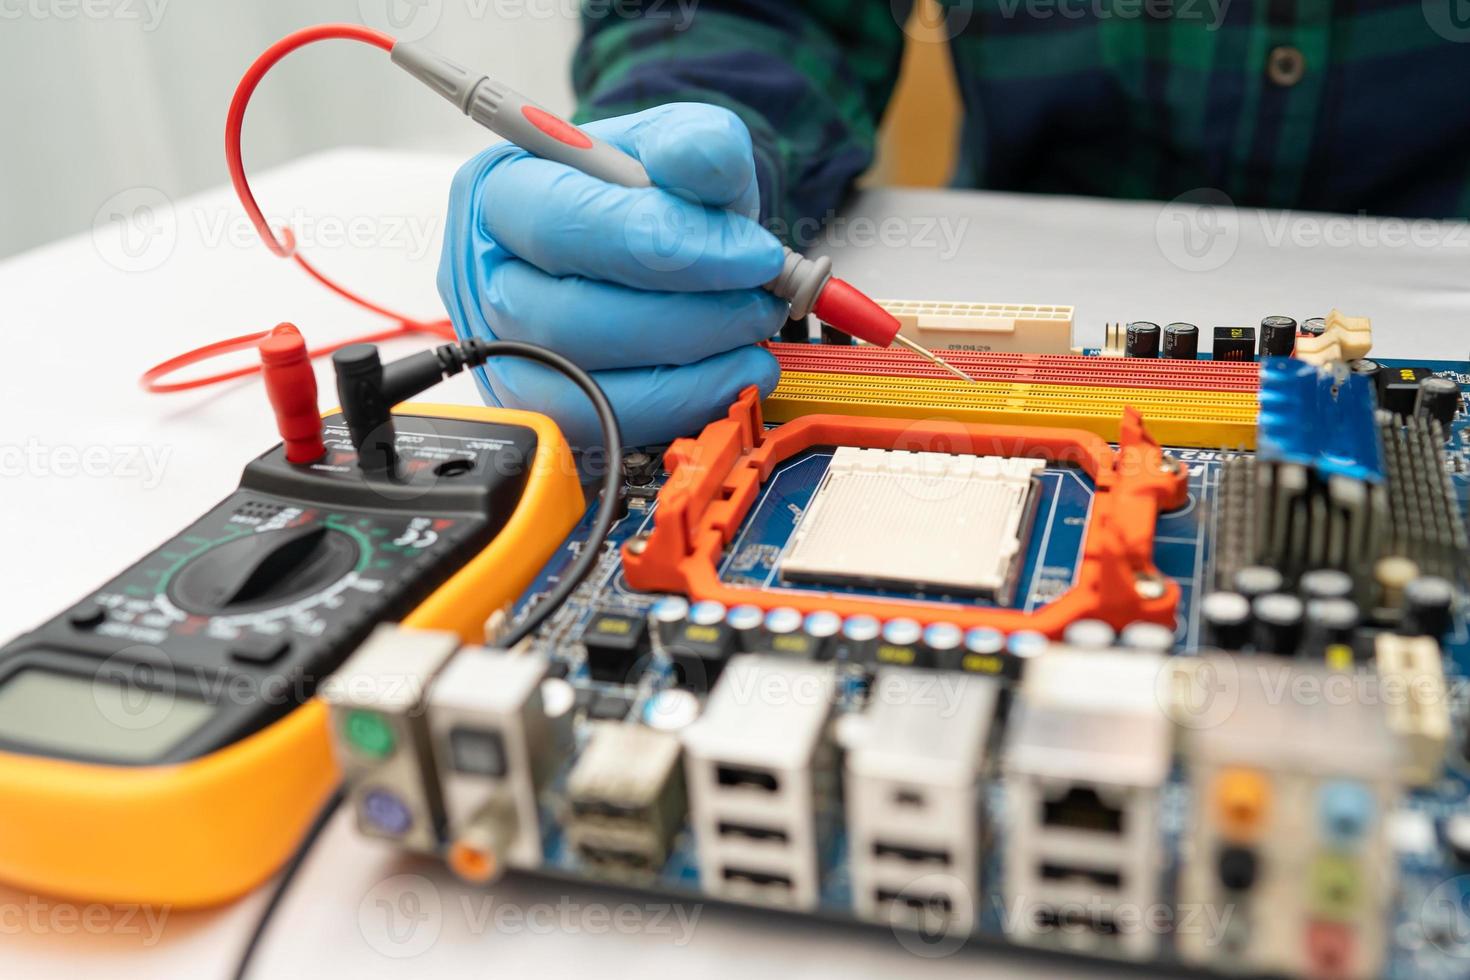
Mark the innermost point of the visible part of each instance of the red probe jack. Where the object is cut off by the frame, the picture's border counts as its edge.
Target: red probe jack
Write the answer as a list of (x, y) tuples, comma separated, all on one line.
[(290, 384)]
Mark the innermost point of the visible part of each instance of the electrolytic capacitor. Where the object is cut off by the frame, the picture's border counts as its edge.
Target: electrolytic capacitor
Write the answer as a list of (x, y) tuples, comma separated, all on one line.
[(1367, 367), (1226, 621), (1439, 399), (1257, 580), (823, 627), (1181, 340), (1325, 583), (1428, 601), (860, 637), (667, 615), (1279, 621), (746, 622), (783, 632), (1142, 339), (1314, 326), (1278, 336), (1149, 637), (1089, 634), (945, 641), (1330, 622)]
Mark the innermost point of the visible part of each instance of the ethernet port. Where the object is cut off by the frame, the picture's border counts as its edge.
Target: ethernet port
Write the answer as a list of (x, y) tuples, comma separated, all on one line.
[(1081, 808)]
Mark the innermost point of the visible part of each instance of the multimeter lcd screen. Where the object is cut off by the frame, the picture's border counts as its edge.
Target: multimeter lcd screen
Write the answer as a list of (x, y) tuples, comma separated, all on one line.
[(77, 715)]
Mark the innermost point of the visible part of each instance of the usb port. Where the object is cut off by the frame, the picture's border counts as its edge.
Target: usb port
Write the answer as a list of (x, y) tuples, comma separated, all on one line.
[(1101, 923), (916, 855), (761, 878), (919, 903), (737, 777), (1069, 872), (750, 832)]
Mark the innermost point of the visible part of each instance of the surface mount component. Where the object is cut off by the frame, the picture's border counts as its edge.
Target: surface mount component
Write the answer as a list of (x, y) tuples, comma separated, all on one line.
[(953, 523)]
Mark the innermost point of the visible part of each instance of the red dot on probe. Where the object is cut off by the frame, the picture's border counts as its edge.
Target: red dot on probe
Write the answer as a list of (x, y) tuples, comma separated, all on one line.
[(840, 304), (290, 384)]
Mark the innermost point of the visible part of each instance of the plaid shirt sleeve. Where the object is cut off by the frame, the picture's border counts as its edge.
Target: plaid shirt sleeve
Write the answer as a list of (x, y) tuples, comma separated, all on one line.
[(810, 80), (1327, 105)]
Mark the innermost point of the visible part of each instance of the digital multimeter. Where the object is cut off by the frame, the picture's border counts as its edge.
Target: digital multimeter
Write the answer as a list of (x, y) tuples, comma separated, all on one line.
[(160, 741)]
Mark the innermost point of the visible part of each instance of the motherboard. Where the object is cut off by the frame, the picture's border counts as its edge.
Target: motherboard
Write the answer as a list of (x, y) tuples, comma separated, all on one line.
[(1139, 652)]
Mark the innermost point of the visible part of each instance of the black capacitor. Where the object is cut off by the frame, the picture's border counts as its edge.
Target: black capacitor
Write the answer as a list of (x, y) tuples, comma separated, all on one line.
[(1367, 367), (1428, 600), (1314, 326), (1257, 580), (1181, 340), (1226, 618), (1279, 618), (1331, 622), (1325, 583), (1439, 398), (1278, 336), (1142, 339)]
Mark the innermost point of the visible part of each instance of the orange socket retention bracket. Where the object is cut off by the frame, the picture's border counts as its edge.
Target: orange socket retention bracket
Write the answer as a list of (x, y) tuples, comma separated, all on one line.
[(715, 478)]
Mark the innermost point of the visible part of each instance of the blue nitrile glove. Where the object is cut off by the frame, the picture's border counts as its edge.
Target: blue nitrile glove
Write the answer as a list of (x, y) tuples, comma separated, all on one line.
[(655, 290)]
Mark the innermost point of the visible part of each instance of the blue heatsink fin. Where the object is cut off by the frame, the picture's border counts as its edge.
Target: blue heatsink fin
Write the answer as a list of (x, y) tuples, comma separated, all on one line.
[(1320, 417)]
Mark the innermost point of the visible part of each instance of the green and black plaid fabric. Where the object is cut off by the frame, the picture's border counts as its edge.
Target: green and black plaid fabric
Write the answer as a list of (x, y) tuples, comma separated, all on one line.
[(1335, 105)]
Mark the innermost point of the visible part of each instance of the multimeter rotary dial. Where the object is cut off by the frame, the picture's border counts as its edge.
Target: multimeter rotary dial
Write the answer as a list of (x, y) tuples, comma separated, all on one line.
[(263, 570)]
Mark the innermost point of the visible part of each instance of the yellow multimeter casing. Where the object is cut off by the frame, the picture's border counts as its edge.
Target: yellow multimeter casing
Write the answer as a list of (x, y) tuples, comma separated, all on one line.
[(462, 535)]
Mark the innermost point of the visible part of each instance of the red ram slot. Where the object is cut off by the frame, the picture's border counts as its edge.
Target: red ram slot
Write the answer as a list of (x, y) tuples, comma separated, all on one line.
[(1113, 372)]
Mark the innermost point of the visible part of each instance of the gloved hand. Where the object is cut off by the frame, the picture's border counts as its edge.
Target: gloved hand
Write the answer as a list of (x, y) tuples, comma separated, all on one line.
[(655, 290)]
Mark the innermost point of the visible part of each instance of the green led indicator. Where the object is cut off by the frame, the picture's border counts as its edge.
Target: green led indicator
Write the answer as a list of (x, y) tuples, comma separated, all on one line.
[(369, 733)]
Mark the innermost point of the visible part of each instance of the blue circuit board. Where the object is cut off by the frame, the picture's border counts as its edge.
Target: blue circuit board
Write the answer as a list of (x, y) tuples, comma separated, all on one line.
[(1429, 938)]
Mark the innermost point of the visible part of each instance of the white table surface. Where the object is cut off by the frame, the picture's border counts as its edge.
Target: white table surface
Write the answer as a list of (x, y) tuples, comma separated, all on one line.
[(94, 472)]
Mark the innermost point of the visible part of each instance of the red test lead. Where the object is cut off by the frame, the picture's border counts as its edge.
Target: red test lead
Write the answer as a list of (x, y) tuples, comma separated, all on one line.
[(290, 384)]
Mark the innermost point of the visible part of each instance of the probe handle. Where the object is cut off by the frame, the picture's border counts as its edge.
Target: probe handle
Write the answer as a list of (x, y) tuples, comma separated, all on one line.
[(506, 112)]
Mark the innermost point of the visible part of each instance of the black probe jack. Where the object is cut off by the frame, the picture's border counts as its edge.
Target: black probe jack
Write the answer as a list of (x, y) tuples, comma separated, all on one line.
[(369, 389)]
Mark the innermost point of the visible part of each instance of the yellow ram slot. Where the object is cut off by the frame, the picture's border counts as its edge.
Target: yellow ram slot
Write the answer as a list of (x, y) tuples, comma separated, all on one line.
[(1194, 419)]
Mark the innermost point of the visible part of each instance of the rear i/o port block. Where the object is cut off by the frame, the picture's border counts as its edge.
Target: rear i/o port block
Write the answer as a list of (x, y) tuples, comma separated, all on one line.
[(912, 771), (759, 771), (625, 800), (381, 737), (1292, 794), (1085, 762), (494, 747)]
